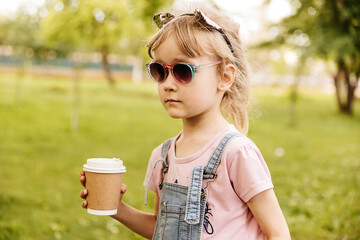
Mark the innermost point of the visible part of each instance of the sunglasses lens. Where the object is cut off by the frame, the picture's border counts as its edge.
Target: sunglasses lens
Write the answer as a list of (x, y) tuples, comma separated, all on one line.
[(182, 73), (157, 72)]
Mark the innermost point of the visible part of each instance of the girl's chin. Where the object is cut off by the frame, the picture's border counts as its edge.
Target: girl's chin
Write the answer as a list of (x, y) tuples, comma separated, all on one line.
[(175, 116), (179, 116)]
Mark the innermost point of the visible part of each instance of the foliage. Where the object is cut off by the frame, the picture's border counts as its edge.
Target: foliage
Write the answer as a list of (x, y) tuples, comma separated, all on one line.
[(21, 32), (88, 24), (110, 26), (106, 26), (327, 30), (314, 165), (147, 11)]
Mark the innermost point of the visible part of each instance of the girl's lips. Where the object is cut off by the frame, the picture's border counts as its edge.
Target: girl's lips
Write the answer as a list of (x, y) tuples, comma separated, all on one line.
[(171, 101)]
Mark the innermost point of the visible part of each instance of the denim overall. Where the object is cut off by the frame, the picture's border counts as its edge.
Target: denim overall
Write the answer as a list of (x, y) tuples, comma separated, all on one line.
[(182, 208)]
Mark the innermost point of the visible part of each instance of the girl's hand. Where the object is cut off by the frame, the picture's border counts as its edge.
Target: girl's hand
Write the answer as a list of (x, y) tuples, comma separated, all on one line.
[(84, 192)]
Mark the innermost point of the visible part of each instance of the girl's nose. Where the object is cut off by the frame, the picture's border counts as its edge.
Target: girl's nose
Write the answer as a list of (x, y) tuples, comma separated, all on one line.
[(170, 83)]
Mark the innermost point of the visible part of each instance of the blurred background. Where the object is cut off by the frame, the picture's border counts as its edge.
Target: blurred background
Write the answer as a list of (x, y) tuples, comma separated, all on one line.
[(73, 85)]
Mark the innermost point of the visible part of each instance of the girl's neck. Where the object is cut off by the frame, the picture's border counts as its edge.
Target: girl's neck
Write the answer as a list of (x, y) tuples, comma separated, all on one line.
[(197, 132), (204, 126)]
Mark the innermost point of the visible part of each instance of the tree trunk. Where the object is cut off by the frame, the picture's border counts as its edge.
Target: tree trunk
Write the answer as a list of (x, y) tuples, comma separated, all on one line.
[(136, 73), (20, 73), (75, 108), (293, 100), (106, 68), (345, 88), (294, 90)]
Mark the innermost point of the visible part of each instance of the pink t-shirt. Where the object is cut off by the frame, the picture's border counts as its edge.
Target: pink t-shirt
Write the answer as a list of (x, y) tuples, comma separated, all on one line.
[(242, 173)]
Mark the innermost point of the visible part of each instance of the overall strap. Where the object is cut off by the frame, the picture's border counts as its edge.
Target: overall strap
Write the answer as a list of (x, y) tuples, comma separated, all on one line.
[(164, 169), (192, 212), (214, 161)]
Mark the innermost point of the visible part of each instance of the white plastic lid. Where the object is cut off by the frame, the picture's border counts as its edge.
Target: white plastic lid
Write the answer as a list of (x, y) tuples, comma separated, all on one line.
[(104, 165)]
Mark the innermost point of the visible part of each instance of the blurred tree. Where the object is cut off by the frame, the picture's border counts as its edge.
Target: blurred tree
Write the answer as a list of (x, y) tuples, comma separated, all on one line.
[(328, 30), (106, 26), (146, 10), (87, 26), (20, 32)]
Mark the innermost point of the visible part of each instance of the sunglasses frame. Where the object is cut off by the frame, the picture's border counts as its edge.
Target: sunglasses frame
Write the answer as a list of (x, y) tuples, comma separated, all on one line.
[(170, 67)]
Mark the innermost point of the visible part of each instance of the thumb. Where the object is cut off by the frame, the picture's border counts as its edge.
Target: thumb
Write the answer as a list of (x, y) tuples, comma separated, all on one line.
[(123, 191), (123, 188)]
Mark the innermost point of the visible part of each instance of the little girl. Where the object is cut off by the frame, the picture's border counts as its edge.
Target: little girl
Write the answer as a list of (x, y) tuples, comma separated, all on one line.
[(210, 181)]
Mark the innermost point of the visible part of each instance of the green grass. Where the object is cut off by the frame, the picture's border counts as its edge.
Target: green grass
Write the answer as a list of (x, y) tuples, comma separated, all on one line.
[(316, 180)]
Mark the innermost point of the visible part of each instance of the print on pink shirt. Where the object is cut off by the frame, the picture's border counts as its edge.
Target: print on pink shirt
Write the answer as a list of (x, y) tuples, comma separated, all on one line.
[(207, 222)]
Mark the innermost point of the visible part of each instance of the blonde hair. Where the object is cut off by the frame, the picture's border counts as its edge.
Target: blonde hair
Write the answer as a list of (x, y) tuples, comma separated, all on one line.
[(195, 39)]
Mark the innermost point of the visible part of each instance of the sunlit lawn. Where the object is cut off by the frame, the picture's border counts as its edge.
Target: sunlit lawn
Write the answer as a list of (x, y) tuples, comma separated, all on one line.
[(315, 164)]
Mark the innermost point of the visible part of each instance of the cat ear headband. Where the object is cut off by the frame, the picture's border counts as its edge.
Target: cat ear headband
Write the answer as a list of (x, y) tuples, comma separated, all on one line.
[(163, 18)]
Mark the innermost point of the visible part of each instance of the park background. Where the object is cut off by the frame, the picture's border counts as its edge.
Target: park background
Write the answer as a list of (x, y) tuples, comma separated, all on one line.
[(73, 86)]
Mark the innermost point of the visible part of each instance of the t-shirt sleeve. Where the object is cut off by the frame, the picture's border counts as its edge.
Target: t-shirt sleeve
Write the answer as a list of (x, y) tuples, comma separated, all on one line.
[(154, 179), (248, 172)]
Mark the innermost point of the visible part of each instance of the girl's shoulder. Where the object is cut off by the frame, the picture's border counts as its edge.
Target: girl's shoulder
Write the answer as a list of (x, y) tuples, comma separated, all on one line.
[(242, 147), (240, 142), (156, 153)]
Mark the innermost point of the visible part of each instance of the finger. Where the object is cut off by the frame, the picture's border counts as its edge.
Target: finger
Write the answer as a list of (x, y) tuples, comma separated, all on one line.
[(82, 180), (83, 193), (84, 204), (123, 188)]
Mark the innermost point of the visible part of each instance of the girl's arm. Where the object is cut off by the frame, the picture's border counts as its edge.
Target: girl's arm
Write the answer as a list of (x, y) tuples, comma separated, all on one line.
[(267, 212), (140, 222)]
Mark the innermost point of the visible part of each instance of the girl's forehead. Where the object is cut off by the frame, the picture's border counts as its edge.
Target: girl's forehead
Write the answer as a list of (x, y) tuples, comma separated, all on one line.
[(188, 45), (169, 49)]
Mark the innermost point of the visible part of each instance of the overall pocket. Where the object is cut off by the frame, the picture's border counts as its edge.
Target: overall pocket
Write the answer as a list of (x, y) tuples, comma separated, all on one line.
[(170, 223)]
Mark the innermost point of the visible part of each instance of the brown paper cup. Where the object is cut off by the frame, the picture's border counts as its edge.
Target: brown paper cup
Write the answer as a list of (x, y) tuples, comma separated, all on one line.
[(103, 182)]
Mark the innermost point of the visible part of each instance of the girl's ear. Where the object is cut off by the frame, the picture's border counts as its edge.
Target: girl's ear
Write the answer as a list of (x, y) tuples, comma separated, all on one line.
[(227, 78)]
